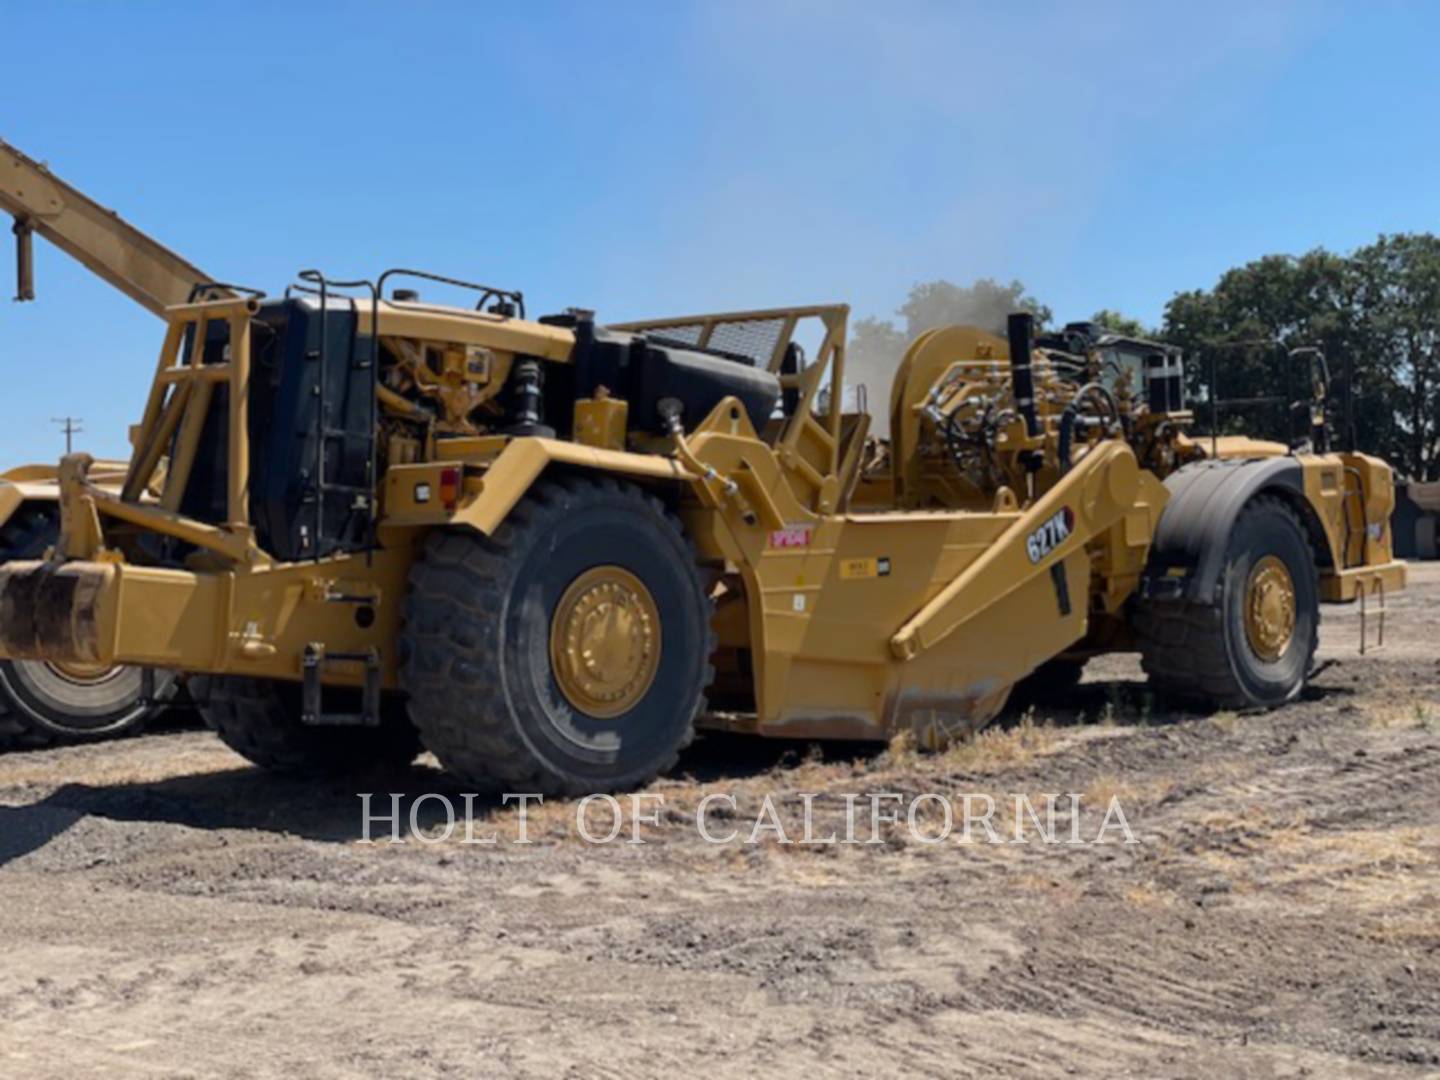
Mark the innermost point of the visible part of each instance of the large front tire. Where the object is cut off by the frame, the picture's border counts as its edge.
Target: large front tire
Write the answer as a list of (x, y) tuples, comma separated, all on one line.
[(567, 654), (1254, 646)]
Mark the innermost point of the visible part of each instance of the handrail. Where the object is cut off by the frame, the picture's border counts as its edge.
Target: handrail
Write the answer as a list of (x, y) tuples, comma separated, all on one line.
[(507, 302)]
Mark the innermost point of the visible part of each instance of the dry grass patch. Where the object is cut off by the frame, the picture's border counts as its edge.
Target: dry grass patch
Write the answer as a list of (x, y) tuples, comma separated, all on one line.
[(1235, 838), (1410, 929), (1400, 712), (999, 748), (902, 750), (550, 821), (1053, 889), (553, 819), (1150, 895), (49, 768), (1105, 789), (1227, 720), (1363, 854), (1364, 869)]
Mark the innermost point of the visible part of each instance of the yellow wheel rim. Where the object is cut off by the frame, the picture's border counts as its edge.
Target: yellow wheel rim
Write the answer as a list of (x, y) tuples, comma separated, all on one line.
[(1269, 608), (605, 641)]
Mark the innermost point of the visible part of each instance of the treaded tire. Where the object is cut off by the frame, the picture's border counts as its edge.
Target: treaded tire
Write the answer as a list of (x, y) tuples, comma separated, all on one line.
[(42, 705), (260, 720), (1200, 652), (476, 657)]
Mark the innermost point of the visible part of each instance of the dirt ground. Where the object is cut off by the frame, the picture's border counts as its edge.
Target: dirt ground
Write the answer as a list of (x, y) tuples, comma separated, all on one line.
[(167, 911)]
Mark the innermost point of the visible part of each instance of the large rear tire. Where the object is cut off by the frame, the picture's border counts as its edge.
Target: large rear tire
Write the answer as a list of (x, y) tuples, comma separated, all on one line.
[(567, 654), (260, 720), (1255, 645), (41, 703)]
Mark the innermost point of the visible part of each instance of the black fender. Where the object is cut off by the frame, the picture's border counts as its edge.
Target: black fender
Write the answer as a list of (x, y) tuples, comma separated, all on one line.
[(1187, 553)]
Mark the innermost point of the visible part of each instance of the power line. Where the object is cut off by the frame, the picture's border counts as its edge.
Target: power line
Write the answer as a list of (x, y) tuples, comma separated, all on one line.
[(71, 425)]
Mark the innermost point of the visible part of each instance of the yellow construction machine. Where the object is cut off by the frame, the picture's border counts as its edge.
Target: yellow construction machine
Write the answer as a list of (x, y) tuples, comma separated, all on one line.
[(42, 701), (373, 522)]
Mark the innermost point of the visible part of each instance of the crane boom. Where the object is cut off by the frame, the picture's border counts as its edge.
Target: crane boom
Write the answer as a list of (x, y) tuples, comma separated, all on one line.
[(99, 239)]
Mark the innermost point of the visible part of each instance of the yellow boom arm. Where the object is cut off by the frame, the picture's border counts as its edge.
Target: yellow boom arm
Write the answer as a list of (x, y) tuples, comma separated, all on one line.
[(99, 239)]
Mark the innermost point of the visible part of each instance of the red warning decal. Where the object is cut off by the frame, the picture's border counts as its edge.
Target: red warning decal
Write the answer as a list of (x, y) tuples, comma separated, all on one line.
[(792, 536)]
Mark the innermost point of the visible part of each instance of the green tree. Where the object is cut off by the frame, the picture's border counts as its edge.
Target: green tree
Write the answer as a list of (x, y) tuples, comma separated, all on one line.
[(1375, 312), (1239, 334), (1117, 323), (1398, 295)]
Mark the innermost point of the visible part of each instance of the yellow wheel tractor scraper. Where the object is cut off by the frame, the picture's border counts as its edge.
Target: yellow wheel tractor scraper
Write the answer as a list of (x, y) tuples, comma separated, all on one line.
[(370, 522)]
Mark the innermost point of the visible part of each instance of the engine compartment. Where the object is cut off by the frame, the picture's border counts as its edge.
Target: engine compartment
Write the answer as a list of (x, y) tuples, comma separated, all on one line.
[(331, 405)]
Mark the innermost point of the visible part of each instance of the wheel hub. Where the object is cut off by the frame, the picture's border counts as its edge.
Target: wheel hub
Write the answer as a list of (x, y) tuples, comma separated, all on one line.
[(1269, 608), (605, 641)]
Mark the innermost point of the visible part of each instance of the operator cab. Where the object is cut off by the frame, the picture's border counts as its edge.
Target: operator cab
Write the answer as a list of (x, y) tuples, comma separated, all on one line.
[(1126, 361)]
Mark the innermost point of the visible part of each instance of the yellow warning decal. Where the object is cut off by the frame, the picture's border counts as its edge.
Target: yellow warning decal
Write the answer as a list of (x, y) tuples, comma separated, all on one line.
[(851, 569)]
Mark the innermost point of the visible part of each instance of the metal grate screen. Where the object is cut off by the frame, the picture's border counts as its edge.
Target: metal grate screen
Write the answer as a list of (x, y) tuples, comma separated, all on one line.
[(754, 339)]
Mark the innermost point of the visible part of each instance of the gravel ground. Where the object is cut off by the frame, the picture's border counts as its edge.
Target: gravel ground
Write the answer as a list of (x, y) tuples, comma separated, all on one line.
[(169, 911)]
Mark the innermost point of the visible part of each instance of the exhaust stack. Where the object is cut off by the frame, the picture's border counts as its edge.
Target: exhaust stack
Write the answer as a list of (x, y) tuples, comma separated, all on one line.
[(1021, 327)]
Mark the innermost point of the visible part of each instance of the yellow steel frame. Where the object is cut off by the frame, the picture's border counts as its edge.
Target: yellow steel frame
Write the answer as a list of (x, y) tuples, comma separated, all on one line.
[(808, 447), (175, 413)]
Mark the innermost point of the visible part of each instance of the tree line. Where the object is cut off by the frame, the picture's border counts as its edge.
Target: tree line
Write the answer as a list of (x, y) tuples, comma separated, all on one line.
[(1374, 312)]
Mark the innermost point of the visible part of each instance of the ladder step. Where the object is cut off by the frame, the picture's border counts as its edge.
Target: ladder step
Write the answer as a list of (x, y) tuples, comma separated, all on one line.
[(311, 711), (349, 489)]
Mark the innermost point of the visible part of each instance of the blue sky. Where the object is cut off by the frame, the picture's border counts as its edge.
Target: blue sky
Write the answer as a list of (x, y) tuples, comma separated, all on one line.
[(660, 158)]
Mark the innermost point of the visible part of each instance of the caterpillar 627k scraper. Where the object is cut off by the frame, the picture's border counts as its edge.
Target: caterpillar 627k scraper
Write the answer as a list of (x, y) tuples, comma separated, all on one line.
[(536, 546)]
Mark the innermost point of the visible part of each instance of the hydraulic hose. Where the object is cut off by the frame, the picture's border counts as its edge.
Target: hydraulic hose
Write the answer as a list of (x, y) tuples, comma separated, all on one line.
[(1067, 437), (1071, 415)]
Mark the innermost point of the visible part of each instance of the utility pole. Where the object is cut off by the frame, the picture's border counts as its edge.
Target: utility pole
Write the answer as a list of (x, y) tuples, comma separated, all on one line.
[(71, 426)]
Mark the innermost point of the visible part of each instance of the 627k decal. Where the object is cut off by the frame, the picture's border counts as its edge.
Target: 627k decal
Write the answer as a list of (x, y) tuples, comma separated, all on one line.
[(1050, 535)]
